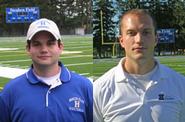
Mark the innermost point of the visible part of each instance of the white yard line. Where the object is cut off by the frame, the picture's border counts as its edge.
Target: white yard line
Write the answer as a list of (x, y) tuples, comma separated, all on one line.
[(71, 52), (13, 61), (78, 64), (25, 60), (9, 72), (84, 73), (75, 56), (79, 47), (5, 49), (13, 55)]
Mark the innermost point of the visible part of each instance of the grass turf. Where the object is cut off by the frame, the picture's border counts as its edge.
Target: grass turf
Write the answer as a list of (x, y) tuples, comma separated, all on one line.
[(78, 60), (177, 63)]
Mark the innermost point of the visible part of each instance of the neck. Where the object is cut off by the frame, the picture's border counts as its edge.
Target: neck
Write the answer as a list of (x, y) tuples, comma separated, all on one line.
[(45, 71), (138, 67)]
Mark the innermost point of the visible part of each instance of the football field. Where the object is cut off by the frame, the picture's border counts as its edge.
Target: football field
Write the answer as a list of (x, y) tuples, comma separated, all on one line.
[(177, 63), (77, 56)]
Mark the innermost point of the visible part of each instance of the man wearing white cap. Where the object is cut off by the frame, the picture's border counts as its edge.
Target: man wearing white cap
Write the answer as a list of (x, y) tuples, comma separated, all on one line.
[(48, 92)]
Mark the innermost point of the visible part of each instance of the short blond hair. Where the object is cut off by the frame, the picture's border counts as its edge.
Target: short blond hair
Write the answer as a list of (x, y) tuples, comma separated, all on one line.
[(137, 12)]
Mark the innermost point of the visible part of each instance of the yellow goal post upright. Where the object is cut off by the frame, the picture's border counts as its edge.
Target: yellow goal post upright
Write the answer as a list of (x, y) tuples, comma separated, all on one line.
[(102, 38)]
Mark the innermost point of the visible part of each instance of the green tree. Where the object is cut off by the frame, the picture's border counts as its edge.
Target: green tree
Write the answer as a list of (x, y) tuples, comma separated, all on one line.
[(72, 13), (103, 25), (179, 23), (66, 13), (168, 14)]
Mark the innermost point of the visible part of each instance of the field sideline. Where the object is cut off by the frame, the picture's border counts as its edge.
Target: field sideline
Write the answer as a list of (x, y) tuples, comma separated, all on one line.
[(77, 55), (177, 63)]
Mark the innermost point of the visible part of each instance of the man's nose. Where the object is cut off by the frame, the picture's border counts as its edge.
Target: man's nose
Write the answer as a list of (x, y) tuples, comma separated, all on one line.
[(44, 48), (139, 38)]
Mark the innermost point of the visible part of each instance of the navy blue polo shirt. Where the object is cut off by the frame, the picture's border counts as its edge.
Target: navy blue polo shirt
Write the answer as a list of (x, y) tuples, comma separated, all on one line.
[(27, 99)]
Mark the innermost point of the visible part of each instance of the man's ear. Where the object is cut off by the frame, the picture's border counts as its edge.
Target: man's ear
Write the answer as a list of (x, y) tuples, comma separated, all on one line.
[(28, 49), (121, 41), (61, 46)]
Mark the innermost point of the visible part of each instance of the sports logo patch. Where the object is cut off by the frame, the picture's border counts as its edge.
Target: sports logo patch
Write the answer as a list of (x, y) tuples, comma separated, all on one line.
[(43, 24), (76, 104)]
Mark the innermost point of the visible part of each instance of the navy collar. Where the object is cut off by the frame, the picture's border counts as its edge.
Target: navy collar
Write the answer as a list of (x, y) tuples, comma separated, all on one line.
[(65, 75)]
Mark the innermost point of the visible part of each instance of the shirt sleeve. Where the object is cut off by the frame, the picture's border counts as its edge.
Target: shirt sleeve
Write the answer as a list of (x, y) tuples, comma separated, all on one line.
[(90, 103), (97, 115), (182, 117), (182, 113), (4, 112), (182, 92)]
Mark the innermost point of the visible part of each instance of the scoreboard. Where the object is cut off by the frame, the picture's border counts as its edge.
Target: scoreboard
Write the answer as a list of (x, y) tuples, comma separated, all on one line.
[(166, 35), (22, 14)]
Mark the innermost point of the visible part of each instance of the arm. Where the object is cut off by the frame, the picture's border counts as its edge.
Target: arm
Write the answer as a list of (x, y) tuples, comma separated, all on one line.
[(182, 113), (90, 102), (4, 112), (97, 114)]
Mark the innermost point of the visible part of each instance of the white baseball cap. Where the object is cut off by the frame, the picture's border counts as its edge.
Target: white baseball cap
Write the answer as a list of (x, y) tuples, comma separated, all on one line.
[(43, 24)]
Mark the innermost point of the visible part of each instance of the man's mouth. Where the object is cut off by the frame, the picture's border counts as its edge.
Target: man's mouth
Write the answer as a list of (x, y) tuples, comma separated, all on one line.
[(43, 57), (141, 48)]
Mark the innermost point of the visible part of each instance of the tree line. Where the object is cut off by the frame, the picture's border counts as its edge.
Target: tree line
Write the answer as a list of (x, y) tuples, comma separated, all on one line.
[(68, 14), (168, 14)]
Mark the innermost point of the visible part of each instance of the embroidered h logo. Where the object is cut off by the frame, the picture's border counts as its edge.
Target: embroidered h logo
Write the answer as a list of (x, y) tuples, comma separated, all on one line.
[(77, 104), (42, 23)]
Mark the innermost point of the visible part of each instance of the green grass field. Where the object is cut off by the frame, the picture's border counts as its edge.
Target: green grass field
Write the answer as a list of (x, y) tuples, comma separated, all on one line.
[(177, 63), (78, 58)]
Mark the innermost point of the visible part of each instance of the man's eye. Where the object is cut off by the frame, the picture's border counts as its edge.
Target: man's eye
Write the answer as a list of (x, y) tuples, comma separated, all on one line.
[(51, 43), (131, 33), (147, 32), (35, 44)]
